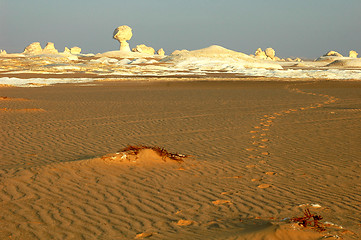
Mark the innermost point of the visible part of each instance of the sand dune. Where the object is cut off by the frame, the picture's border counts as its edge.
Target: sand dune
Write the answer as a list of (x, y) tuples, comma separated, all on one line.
[(217, 57), (55, 184)]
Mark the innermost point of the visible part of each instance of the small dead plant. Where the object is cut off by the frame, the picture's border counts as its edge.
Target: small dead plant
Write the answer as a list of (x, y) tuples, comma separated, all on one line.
[(311, 220)]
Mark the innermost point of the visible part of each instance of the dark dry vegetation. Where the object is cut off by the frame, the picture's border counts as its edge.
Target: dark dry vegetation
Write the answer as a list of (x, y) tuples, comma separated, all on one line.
[(311, 220), (163, 153)]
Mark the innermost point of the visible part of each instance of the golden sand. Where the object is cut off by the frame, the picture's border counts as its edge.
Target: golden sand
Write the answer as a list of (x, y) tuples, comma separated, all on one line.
[(54, 183)]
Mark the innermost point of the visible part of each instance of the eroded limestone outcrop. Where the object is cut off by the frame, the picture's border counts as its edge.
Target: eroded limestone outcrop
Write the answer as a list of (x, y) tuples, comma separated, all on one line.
[(123, 34), (75, 50), (144, 49), (333, 53), (271, 53), (50, 49), (260, 54), (161, 52), (33, 49), (66, 50), (353, 54)]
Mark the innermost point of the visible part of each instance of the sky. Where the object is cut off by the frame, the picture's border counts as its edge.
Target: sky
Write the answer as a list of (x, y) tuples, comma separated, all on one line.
[(294, 28)]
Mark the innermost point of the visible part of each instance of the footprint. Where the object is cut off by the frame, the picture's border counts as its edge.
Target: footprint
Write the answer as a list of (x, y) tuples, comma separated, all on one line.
[(145, 235), (264, 185), (250, 149), (221, 202), (250, 166), (227, 193), (256, 179), (183, 222)]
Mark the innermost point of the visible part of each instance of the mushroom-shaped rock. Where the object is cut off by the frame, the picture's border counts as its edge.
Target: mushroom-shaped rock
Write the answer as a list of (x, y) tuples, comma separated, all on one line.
[(33, 49), (143, 49), (353, 54), (270, 52), (333, 53), (260, 54), (123, 34), (75, 50), (2, 52), (161, 52), (50, 49)]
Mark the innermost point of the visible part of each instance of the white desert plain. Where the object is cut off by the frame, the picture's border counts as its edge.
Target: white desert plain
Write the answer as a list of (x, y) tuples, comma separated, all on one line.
[(206, 144)]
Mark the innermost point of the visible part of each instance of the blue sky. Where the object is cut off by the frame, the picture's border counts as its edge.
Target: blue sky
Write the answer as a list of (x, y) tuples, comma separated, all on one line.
[(303, 28)]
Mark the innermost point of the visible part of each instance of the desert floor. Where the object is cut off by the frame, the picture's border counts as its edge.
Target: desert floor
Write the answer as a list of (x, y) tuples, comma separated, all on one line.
[(262, 152)]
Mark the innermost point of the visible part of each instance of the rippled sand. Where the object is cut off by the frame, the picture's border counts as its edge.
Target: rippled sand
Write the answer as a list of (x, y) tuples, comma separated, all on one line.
[(262, 153)]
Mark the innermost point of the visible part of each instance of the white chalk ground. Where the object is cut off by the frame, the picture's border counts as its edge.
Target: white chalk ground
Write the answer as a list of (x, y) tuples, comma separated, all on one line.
[(40, 82), (327, 74), (286, 75), (214, 59)]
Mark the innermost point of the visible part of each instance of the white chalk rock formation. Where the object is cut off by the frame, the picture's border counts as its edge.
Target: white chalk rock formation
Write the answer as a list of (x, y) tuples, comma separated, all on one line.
[(123, 34), (353, 54), (260, 54), (217, 58), (33, 49), (276, 59), (66, 50), (176, 52), (75, 50), (329, 57), (50, 49), (333, 53), (2, 52), (345, 63), (270, 52), (144, 49), (161, 52), (72, 57)]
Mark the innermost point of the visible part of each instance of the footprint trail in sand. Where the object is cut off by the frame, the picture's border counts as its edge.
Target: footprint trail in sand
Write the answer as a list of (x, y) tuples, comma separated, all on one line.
[(260, 137)]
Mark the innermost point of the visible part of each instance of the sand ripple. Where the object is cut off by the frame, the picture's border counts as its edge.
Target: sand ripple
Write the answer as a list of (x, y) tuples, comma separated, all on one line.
[(53, 185)]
